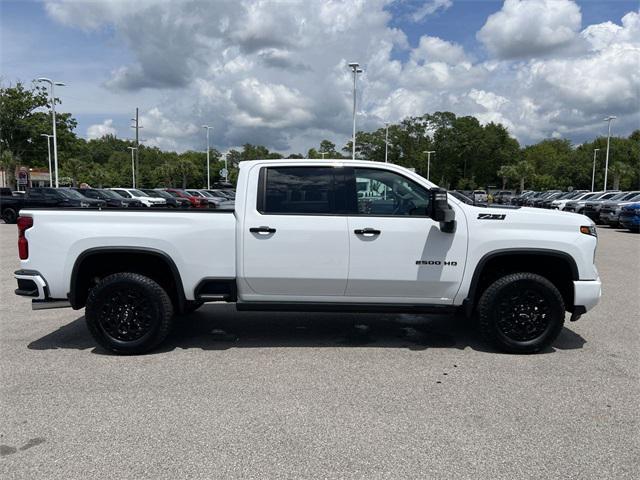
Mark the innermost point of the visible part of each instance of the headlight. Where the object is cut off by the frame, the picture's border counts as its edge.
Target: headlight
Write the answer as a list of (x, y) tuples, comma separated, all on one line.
[(84, 204)]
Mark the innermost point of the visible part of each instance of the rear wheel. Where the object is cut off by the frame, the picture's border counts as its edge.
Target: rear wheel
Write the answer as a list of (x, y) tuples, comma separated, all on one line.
[(521, 313), (128, 313), (9, 215)]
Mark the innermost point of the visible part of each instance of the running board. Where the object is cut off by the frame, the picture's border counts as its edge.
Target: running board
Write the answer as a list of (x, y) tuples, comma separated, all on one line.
[(46, 304)]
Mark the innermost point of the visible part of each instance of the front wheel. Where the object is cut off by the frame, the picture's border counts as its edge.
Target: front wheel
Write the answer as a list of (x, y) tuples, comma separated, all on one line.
[(128, 313), (521, 313)]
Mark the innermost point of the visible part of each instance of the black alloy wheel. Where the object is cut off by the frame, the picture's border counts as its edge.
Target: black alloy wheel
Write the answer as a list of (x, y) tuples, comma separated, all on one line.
[(521, 313), (128, 313)]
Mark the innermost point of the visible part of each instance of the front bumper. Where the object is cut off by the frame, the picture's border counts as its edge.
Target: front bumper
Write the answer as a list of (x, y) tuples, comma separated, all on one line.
[(586, 294), (31, 284)]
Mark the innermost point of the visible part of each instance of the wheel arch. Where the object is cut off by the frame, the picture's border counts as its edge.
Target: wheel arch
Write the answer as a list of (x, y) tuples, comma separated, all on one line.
[(552, 264), (108, 260)]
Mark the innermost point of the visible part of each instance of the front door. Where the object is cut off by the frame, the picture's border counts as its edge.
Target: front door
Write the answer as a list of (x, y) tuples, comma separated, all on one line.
[(294, 243), (396, 251)]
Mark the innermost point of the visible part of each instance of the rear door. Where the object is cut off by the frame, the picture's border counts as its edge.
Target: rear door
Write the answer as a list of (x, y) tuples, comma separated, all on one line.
[(397, 253), (295, 241)]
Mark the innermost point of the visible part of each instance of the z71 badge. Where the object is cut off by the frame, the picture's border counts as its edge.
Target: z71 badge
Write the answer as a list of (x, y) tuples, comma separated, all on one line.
[(491, 216)]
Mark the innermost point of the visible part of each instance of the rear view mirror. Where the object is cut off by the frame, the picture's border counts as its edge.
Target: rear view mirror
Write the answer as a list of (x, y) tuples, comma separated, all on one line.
[(441, 211)]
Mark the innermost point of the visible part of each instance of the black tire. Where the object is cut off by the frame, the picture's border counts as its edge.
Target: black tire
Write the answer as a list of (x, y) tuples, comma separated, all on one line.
[(128, 313), (191, 306), (521, 313), (9, 215)]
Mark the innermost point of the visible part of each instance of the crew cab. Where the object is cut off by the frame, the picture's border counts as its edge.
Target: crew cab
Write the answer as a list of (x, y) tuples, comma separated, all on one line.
[(303, 237)]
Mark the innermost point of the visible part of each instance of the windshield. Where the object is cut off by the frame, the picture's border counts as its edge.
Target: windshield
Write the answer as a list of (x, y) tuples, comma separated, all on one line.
[(174, 194), (206, 194), (138, 193), (587, 196), (109, 194), (71, 194), (195, 193), (619, 196), (162, 194)]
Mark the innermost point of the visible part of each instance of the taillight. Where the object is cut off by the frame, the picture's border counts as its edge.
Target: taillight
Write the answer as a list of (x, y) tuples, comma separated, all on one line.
[(23, 245)]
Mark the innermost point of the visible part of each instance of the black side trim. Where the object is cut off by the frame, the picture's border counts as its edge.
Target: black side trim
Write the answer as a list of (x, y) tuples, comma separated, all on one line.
[(344, 307), (27, 290), (216, 289), (99, 250), (469, 302)]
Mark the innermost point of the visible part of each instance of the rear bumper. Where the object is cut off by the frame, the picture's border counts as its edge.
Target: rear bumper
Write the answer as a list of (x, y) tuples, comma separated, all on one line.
[(31, 284), (586, 294)]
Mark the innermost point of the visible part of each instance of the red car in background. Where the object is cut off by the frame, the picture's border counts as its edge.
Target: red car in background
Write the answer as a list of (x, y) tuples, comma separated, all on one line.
[(196, 202)]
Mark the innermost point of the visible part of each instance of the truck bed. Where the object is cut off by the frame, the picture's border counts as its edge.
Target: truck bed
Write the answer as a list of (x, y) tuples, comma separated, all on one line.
[(200, 243)]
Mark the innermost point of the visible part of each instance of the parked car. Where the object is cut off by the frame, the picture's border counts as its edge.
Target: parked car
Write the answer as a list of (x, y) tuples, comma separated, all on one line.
[(212, 202), (577, 206), (592, 207), (480, 196), (195, 200), (48, 197), (548, 197), (521, 199), (227, 202), (302, 241), (171, 201), (610, 210), (503, 197), (561, 203), (142, 197), (10, 205), (630, 217), (111, 198)]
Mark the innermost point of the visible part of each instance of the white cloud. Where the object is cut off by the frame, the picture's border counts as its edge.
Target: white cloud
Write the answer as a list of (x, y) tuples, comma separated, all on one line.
[(525, 28), (101, 129), (429, 8), (276, 73)]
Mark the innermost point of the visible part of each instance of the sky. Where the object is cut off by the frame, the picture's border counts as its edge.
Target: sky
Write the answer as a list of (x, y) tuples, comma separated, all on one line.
[(275, 73)]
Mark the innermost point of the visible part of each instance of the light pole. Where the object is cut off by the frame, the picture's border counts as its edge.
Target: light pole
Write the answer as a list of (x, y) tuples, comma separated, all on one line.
[(49, 152), (355, 67), (386, 142), (609, 119), (133, 166), (593, 174), (53, 116), (429, 152), (207, 128)]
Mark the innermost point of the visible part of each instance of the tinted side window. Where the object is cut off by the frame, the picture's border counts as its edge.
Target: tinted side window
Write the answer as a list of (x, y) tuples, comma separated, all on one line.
[(298, 190), (381, 192)]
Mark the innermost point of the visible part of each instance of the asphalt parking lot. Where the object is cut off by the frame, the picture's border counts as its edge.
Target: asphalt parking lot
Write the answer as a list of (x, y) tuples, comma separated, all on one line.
[(266, 395)]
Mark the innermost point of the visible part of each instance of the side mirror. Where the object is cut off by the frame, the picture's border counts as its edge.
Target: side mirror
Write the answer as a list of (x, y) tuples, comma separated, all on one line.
[(441, 211)]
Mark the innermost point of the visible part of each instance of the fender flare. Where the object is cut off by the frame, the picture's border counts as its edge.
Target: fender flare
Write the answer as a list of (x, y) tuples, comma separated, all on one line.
[(469, 302), (123, 249)]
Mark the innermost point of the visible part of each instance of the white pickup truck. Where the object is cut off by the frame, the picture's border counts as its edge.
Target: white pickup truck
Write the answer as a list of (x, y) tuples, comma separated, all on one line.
[(310, 235)]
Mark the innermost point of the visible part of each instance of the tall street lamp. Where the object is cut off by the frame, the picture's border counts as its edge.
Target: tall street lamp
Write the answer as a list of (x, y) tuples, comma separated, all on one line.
[(49, 137), (593, 174), (133, 166), (609, 119), (386, 142), (429, 152), (207, 128), (355, 68), (53, 116)]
